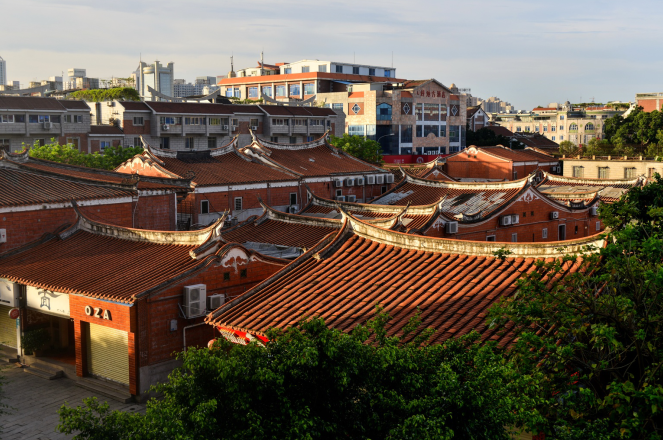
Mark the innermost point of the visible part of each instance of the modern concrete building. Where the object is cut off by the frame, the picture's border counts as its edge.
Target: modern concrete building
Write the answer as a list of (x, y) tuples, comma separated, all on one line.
[(3, 72), (157, 77), (648, 101)]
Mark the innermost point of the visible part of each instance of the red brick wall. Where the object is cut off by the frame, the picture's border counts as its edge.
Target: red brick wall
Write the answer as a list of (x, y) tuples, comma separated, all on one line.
[(129, 127), (649, 105), (156, 212), (327, 190), (482, 166)]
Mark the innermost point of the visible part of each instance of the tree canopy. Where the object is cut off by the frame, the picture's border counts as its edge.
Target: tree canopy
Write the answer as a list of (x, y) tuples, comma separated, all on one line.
[(100, 95), (110, 159), (358, 146), (597, 336), (311, 382), (568, 148), (640, 132)]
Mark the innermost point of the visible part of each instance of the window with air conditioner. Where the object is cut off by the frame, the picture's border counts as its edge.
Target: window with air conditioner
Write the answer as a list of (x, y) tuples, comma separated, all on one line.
[(238, 203), (352, 198), (215, 301), (379, 180), (370, 180)]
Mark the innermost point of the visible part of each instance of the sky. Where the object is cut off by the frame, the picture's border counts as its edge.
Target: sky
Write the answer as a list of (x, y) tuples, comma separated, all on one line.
[(527, 53)]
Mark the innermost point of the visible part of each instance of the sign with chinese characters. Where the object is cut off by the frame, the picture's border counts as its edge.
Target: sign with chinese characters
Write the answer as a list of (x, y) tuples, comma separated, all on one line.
[(97, 312), (47, 301), (430, 94)]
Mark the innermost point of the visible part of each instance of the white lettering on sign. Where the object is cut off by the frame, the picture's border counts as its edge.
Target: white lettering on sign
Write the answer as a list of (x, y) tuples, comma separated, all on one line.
[(98, 312)]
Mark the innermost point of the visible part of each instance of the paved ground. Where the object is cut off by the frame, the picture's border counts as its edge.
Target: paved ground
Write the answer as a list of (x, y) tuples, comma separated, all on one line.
[(35, 402)]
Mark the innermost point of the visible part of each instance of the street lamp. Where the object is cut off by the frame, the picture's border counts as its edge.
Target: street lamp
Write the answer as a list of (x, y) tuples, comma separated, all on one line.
[(386, 135)]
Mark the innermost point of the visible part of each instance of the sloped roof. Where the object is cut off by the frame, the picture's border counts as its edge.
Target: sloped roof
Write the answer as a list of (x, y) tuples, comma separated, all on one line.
[(452, 283), (71, 104), (90, 258), (30, 103), (499, 130), (565, 188), (310, 159), (135, 106), (201, 109), (518, 155), (282, 110)]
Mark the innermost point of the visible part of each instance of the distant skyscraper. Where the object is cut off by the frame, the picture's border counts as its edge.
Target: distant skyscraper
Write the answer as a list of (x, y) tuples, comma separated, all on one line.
[(3, 72), (160, 78)]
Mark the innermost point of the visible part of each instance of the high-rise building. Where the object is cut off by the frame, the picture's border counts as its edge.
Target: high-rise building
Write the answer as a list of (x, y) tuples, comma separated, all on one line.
[(3, 72), (158, 77)]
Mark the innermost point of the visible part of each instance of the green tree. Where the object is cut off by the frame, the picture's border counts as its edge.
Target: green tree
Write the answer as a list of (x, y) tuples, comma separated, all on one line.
[(100, 95), (635, 133), (311, 382), (568, 148), (358, 146), (597, 335), (598, 147), (485, 137), (110, 159)]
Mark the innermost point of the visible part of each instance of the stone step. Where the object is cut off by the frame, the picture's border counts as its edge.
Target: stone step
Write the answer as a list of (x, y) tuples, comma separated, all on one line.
[(43, 371), (115, 392), (6, 357)]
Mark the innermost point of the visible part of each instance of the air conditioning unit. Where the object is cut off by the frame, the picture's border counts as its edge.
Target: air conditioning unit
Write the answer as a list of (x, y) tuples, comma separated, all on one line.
[(554, 215), (451, 227), (594, 210), (515, 219), (215, 301), (352, 199), (359, 181), (370, 180), (195, 300), (234, 128), (254, 127), (505, 220), (340, 198), (293, 209), (390, 178), (338, 183), (379, 180), (166, 127), (225, 127), (350, 182), (48, 125)]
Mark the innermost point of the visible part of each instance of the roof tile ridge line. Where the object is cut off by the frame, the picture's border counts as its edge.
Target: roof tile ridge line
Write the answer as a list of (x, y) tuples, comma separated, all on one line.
[(460, 247), (601, 182), (157, 153), (223, 250), (143, 235), (23, 167), (147, 149), (311, 144), (273, 214), (368, 207), (67, 166), (262, 156), (435, 216), (20, 157), (497, 156), (31, 244), (509, 184), (224, 149), (302, 259)]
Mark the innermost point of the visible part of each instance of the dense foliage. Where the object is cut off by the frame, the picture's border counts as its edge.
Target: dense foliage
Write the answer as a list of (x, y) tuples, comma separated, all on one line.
[(485, 137), (597, 336), (358, 146), (101, 95), (315, 383), (568, 148), (110, 159)]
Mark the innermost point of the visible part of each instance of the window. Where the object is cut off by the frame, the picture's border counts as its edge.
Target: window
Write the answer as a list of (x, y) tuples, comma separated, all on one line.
[(578, 171), (420, 131), (235, 122), (138, 120), (75, 142), (280, 121), (561, 138), (229, 92), (518, 129), (384, 112), (561, 127), (274, 139), (211, 142), (387, 73), (306, 69), (322, 68), (238, 203), (651, 172), (253, 92), (490, 238), (604, 172), (237, 93), (561, 117), (164, 143), (598, 226), (553, 138), (406, 134), (419, 112), (287, 70), (40, 142), (545, 128), (4, 143), (589, 126), (383, 190), (309, 89), (137, 142), (315, 122), (214, 121), (204, 206), (356, 130), (310, 138), (165, 120), (226, 276), (454, 133), (242, 273), (190, 143), (514, 237), (629, 173), (536, 128), (371, 71), (33, 119), (443, 130), (428, 129), (104, 144), (339, 192), (280, 90), (294, 89), (194, 121), (515, 175), (355, 70), (573, 127), (7, 119), (337, 106), (293, 139), (553, 128), (293, 198), (77, 119), (544, 233), (267, 90), (339, 69), (431, 112)]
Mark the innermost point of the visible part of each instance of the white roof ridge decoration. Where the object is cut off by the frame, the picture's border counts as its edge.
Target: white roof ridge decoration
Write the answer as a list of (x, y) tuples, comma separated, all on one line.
[(224, 149), (272, 214), (595, 182), (368, 207), (402, 240), (302, 146), (510, 184)]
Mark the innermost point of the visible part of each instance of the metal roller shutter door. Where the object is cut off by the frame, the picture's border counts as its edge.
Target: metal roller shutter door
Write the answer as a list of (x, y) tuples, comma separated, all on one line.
[(108, 354), (7, 328)]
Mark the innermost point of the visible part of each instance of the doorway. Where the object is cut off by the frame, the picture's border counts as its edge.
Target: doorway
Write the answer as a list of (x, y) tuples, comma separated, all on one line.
[(561, 232)]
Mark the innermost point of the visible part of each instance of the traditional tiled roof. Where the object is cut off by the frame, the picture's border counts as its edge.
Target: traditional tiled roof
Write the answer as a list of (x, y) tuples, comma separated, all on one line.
[(221, 166), (473, 199), (71, 104), (452, 283), (499, 130), (311, 159), (201, 109), (517, 155), (609, 190), (430, 170), (135, 106), (93, 175), (105, 129), (471, 111), (30, 103), (114, 263)]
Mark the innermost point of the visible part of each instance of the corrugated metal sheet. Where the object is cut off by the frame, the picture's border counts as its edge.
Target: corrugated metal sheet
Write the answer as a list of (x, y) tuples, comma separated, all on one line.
[(108, 353), (7, 328)]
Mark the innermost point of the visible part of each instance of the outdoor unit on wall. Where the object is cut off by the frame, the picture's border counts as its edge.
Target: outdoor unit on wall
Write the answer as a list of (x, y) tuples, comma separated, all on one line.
[(594, 210), (254, 127), (48, 125), (215, 301), (340, 198), (350, 182), (352, 199), (554, 215), (9, 293), (390, 178), (195, 303), (370, 180), (379, 180), (225, 127), (515, 219), (338, 183), (505, 220), (166, 127), (294, 209), (451, 227), (234, 128), (360, 181)]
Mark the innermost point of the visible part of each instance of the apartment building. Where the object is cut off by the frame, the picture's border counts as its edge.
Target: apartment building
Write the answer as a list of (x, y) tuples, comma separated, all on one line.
[(649, 101), (420, 117), (3, 72), (611, 167), (560, 122)]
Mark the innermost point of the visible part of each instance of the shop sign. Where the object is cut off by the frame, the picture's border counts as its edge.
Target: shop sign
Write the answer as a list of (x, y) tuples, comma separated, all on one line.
[(47, 301), (97, 312), (429, 94), (14, 313)]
